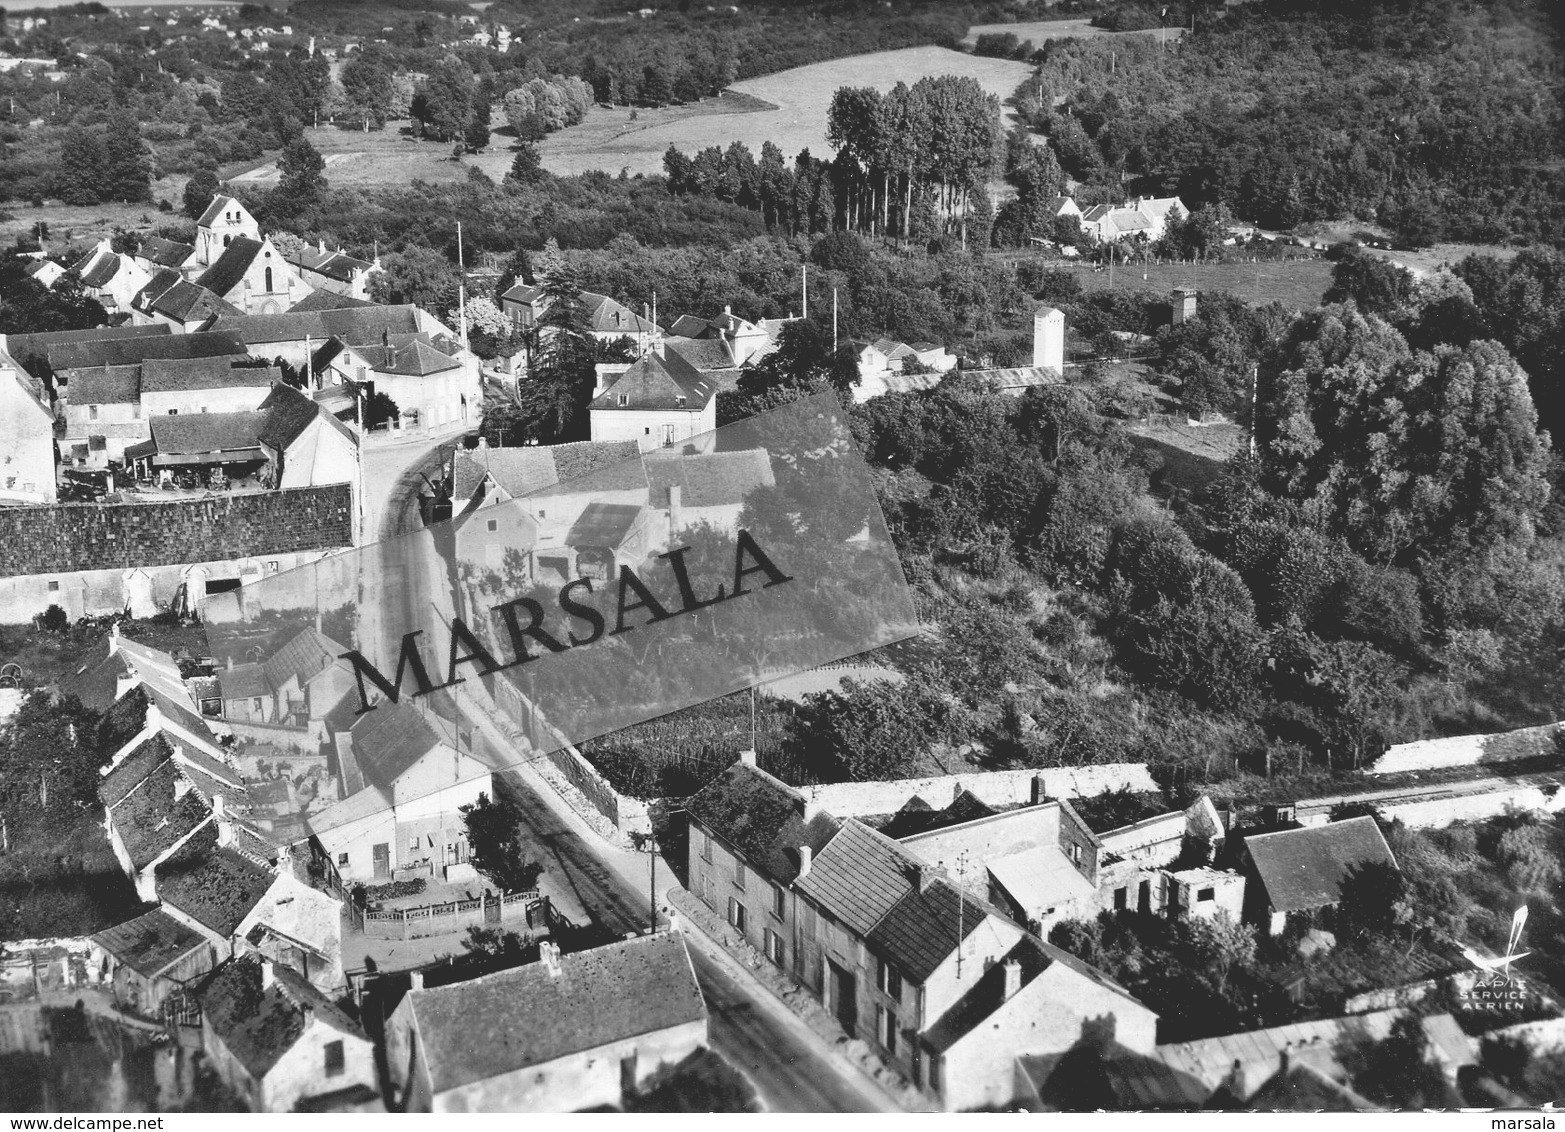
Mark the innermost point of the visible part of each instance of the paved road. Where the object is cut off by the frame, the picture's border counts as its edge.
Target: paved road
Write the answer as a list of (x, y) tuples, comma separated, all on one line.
[(789, 1074), (790, 1068)]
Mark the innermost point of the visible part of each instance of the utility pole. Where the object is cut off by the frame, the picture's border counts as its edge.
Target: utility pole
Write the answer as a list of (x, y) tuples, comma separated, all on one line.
[(834, 320), (804, 288), (461, 287), (652, 884), (1255, 382)]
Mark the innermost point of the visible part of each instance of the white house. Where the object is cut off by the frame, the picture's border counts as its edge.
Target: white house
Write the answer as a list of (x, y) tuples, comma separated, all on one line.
[(111, 278), (26, 435), (253, 276), (224, 220), (659, 401), (403, 789)]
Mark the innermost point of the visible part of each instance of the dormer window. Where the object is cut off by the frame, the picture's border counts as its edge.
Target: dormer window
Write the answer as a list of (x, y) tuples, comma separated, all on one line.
[(680, 401), (624, 399)]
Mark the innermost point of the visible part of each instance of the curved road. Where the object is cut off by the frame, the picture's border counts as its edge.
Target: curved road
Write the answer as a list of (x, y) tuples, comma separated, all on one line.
[(792, 1070)]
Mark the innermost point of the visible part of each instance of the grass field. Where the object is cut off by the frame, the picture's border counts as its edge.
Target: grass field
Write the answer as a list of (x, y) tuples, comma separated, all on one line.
[(1040, 30), (75, 223), (1298, 285), (799, 99)]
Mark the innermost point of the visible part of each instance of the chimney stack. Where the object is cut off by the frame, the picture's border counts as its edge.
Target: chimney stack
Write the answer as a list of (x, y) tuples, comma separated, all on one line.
[(806, 858), (268, 974), (417, 978), (747, 757), (1013, 978), (1039, 793)]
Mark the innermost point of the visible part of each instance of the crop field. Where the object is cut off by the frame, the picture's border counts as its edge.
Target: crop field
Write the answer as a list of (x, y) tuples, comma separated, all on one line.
[(1040, 30), (793, 115)]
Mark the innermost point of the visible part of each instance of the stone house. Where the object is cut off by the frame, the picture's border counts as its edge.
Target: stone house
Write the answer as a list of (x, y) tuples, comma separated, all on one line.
[(334, 271), (1301, 871), (157, 254), (172, 300), (403, 787), (27, 472), (566, 1033), (276, 1040), (111, 278), (659, 401), (296, 686)]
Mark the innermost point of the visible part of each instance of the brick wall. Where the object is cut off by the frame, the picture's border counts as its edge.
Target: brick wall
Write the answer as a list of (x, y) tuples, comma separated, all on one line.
[(89, 536)]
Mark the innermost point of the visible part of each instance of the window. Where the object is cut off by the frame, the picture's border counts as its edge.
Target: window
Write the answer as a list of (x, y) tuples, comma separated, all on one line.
[(779, 901), (268, 279), (494, 524), (624, 399), (1075, 853), (1207, 894), (542, 514), (736, 913), (256, 705), (335, 1061), (706, 847), (226, 239), (412, 845), (886, 1028), (54, 587), (173, 412), (706, 892), (739, 875), (342, 860), (271, 566), (1121, 899), (889, 980), (646, 432), (774, 947), (92, 412)]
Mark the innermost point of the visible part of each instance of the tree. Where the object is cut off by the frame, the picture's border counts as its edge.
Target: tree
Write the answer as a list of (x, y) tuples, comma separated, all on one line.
[(448, 99), (526, 166), (561, 377), (476, 136), (367, 87), (199, 192), (416, 275), (82, 177), (300, 165), (1377, 285), (870, 730), (1406, 456), (128, 162), (494, 833), (656, 89)]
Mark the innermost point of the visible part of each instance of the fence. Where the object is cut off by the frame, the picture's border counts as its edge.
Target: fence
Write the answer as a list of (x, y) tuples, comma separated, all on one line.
[(455, 915)]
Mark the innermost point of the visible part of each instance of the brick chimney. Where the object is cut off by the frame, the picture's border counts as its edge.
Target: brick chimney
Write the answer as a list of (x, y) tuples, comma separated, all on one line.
[(1013, 978)]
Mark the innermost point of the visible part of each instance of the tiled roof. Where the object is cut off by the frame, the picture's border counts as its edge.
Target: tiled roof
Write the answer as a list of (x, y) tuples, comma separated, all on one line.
[(611, 464), (689, 326), (189, 302), (602, 524), (229, 269), (133, 769), (924, 927), (494, 1025), (101, 272), (338, 265), (762, 818), (260, 1024), (133, 351), (174, 375), (860, 876), (357, 326), (214, 886), (533, 469), (667, 382), (29, 349), (1306, 868), (155, 813), (198, 433), (389, 740), (413, 358), (305, 655), (165, 253), (149, 944), (702, 353), (1033, 956), (243, 681), (520, 292), (289, 412), (104, 385), (162, 279), (606, 316), (712, 479), (1300, 1087), (324, 300)]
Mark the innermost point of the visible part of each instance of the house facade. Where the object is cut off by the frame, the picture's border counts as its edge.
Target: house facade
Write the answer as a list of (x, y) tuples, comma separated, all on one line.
[(27, 466), (111, 278), (224, 220), (252, 276), (659, 401)]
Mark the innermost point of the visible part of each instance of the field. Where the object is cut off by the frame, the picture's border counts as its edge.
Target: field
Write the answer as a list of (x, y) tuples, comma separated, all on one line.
[(1040, 30), (796, 119), (1298, 285), (81, 223)]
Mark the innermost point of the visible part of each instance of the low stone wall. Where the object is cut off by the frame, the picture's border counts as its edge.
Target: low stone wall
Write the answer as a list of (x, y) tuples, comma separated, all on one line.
[(997, 788), (1437, 813), (290, 739), (459, 915), (1468, 750)]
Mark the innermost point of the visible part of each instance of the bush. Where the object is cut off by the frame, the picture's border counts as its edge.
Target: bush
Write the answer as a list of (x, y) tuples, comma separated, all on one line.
[(53, 620)]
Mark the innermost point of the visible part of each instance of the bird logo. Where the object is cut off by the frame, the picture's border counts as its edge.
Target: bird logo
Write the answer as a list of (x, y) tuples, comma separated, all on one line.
[(1502, 964)]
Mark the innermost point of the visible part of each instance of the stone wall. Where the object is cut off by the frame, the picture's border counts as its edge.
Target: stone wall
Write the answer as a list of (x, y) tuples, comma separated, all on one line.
[(1468, 750), (79, 537), (997, 788)]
